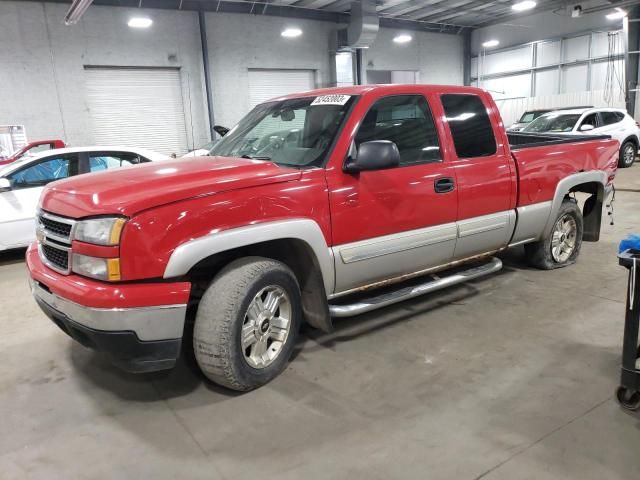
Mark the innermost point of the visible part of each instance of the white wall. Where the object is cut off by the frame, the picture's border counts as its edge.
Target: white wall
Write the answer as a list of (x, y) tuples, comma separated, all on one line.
[(540, 26), (240, 42), (38, 52), (42, 63), (438, 57)]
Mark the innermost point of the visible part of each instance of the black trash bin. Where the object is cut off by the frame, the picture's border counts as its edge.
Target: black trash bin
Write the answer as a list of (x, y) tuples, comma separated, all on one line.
[(628, 393)]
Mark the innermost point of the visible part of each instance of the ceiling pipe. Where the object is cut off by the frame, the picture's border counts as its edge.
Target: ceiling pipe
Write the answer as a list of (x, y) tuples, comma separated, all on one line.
[(76, 10), (363, 25)]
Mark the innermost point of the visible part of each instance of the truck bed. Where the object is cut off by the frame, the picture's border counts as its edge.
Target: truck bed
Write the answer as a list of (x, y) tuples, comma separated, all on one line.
[(543, 160), (520, 140)]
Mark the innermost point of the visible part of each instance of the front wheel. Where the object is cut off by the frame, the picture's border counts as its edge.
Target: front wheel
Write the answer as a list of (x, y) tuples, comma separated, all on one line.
[(562, 245), (247, 323), (627, 155)]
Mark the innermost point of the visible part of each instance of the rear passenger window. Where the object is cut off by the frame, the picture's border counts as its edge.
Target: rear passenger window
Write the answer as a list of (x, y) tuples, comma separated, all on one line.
[(405, 120), (470, 125), (609, 118)]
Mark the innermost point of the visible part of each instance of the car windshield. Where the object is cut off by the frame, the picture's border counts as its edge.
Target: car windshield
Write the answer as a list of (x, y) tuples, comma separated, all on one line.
[(294, 133), (528, 117), (553, 122)]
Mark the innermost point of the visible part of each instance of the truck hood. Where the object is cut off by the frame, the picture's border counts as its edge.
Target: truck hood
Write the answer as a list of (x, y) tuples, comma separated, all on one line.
[(130, 190)]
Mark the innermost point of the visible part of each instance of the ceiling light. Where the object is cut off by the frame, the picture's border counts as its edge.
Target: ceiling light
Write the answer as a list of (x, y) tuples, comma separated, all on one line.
[(490, 44), (291, 32), (617, 15), (524, 5), (140, 22), (402, 38)]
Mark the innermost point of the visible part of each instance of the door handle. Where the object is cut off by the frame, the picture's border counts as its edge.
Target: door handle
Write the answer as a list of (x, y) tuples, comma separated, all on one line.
[(444, 185)]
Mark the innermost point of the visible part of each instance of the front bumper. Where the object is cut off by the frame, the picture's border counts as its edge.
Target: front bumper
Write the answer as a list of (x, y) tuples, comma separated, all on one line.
[(136, 336)]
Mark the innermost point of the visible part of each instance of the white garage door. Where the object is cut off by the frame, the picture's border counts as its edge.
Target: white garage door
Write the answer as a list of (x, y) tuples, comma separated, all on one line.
[(137, 107), (267, 84)]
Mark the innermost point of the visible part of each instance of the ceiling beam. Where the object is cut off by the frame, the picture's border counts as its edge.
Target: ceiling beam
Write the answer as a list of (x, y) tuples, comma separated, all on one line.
[(427, 13), (408, 6), (508, 14), (474, 7)]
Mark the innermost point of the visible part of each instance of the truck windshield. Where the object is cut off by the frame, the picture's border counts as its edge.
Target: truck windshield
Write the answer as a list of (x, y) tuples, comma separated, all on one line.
[(294, 133), (553, 122)]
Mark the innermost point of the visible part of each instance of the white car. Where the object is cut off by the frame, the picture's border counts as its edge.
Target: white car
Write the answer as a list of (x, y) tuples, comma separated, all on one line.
[(22, 182), (201, 151), (614, 122)]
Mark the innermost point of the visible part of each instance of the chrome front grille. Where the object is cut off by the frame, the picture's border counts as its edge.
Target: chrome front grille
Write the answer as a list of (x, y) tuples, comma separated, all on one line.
[(54, 236), (56, 256), (58, 228)]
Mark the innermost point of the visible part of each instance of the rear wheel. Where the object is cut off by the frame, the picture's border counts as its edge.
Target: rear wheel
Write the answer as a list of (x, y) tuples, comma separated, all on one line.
[(562, 245), (247, 323), (628, 152)]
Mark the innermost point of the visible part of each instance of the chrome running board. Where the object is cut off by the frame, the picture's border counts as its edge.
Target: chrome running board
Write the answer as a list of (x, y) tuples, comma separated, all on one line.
[(436, 283)]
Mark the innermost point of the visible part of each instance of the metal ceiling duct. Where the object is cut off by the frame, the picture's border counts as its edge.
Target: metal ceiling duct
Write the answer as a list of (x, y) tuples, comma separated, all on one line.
[(76, 10), (364, 24)]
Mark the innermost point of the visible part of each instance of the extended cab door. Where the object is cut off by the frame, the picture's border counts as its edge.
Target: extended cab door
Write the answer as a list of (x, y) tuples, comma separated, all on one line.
[(485, 173), (388, 223)]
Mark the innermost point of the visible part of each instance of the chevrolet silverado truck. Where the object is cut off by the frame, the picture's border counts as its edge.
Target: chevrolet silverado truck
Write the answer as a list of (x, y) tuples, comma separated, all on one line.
[(323, 204)]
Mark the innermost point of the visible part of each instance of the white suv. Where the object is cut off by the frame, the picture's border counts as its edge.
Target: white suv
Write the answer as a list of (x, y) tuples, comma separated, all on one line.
[(593, 121)]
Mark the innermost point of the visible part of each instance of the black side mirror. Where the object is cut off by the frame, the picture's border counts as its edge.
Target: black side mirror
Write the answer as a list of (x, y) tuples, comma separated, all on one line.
[(374, 155), (220, 130)]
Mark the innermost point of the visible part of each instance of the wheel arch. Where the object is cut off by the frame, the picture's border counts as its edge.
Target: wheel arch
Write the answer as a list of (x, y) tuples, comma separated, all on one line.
[(632, 138), (299, 244), (592, 182)]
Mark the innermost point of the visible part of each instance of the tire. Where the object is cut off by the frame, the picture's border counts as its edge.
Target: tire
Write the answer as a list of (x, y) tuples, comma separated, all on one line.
[(552, 252), (627, 155), (223, 315), (629, 399)]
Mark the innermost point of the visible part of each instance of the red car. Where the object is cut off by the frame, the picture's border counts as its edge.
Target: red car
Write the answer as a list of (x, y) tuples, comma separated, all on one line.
[(306, 207), (32, 148)]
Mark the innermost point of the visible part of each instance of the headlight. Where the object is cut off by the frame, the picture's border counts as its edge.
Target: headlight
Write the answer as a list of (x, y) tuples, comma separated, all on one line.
[(107, 269), (100, 231)]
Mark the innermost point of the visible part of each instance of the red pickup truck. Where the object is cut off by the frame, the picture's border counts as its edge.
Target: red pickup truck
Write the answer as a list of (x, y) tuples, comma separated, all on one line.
[(305, 208), (32, 148)]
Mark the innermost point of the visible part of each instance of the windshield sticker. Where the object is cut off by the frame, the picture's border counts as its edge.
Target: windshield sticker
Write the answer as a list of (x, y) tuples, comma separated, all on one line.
[(331, 100)]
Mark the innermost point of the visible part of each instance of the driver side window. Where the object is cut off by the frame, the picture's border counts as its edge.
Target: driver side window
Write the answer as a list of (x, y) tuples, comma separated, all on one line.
[(405, 120), (41, 173), (590, 120)]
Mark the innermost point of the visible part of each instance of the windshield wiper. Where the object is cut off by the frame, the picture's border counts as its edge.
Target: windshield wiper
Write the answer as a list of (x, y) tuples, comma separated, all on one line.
[(257, 157)]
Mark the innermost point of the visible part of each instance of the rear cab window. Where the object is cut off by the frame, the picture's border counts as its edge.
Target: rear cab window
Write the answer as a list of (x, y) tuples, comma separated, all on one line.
[(470, 125)]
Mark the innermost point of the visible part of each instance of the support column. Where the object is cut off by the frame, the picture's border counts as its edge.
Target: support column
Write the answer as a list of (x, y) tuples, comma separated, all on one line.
[(205, 64), (359, 80), (466, 57), (632, 57)]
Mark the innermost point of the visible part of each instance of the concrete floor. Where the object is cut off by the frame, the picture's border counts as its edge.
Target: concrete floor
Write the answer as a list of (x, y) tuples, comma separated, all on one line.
[(509, 377)]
